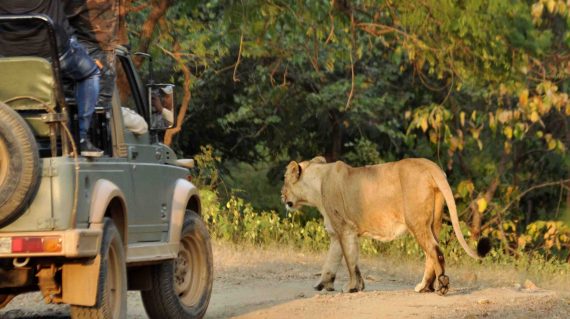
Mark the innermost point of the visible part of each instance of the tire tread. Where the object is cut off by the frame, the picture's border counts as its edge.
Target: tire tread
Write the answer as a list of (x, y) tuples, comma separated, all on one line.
[(160, 301), (22, 181)]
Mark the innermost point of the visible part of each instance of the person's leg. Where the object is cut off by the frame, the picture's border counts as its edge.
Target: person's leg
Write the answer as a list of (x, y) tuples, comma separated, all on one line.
[(77, 65), (105, 59), (86, 94)]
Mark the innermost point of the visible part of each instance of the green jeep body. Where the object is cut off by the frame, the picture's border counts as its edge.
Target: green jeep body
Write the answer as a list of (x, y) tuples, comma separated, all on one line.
[(139, 186)]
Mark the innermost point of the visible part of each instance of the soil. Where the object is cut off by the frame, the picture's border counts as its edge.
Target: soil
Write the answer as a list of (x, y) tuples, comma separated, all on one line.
[(277, 283)]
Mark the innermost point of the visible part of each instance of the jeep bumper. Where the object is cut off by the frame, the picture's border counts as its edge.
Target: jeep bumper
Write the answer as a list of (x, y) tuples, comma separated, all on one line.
[(69, 243)]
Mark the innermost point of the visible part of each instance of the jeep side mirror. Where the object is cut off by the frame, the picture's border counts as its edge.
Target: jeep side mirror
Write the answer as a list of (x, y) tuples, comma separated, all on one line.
[(162, 107)]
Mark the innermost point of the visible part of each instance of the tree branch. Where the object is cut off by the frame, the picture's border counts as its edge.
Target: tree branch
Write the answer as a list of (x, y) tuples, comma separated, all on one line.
[(187, 94)]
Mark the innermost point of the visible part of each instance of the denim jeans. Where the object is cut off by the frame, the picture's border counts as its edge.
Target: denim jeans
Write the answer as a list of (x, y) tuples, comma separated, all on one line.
[(77, 65)]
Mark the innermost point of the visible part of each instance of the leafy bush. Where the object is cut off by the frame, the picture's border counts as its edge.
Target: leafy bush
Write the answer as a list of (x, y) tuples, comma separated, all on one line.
[(236, 221), (550, 239)]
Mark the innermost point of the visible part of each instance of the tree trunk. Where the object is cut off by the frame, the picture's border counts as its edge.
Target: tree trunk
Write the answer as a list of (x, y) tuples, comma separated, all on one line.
[(477, 219), (185, 100), (333, 154), (124, 8), (567, 128)]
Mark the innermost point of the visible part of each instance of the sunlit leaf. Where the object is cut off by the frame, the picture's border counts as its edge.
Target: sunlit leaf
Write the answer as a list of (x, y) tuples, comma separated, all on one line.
[(537, 9), (481, 204), (523, 98), (424, 123), (552, 144), (551, 5), (508, 131), (507, 146)]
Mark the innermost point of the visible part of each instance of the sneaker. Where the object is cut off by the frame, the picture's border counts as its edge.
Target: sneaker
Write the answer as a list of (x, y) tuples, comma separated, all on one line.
[(88, 149)]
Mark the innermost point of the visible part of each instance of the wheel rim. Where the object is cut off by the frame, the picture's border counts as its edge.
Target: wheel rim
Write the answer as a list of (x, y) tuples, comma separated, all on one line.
[(113, 283), (190, 272), (4, 161)]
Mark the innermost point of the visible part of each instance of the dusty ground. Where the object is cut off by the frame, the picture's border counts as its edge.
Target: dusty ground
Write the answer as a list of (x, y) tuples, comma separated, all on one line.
[(276, 283)]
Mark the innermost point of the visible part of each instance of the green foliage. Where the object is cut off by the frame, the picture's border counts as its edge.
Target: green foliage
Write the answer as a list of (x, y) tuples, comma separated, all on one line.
[(208, 167), (238, 222), (251, 183), (547, 238), (363, 152)]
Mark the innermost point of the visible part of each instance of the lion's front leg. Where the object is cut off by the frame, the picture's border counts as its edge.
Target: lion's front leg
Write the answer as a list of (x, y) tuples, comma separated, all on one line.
[(349, 244), (328, 272)]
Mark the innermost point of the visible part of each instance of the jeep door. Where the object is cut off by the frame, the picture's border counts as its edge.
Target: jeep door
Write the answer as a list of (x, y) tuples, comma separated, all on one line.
[(148, 221)]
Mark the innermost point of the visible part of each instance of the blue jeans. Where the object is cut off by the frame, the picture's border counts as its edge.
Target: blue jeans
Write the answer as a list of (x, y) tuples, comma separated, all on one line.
[(77, 65)]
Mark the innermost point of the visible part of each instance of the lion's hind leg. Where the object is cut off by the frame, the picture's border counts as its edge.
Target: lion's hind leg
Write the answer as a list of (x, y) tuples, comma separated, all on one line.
[(427, 284), (422, 212), (442, 285), (435, 264), (423, 218)]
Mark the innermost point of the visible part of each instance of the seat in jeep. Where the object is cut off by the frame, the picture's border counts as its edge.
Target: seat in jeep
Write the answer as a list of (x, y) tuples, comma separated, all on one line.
[(28, 86)]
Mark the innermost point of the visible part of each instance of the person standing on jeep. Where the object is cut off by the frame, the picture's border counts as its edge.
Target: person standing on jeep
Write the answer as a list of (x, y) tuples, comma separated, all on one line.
[(96, 24), (30, 39)]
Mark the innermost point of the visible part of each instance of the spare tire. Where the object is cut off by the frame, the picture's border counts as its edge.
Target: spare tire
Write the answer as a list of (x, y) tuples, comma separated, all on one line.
[(19, 165)]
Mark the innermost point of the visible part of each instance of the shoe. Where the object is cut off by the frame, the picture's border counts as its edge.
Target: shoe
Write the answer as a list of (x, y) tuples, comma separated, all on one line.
[(88, 149)]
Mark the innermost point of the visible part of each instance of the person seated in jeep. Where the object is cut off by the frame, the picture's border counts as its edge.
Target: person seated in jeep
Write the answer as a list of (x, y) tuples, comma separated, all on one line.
[(162, 103), (30, 39)]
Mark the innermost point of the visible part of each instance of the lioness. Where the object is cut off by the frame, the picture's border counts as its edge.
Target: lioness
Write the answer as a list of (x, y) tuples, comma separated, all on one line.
[(380, 201)]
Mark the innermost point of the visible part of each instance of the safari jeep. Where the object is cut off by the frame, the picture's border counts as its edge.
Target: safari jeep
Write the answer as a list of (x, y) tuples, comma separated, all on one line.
[(83, 231)]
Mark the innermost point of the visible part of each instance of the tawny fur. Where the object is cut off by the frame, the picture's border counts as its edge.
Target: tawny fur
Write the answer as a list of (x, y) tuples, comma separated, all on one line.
[(379, 201)]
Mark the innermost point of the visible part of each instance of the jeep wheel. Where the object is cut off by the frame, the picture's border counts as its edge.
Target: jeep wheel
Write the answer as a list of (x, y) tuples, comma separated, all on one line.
[(182, 288), (112, 288), (19, 165)]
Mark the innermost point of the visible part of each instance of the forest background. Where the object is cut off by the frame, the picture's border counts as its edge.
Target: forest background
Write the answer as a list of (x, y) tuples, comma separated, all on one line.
[(478, 86)]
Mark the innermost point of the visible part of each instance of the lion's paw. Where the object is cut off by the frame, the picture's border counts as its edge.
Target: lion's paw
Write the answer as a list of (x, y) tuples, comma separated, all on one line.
[(328, 286), (421, 288), (443, 285), (348, 289)]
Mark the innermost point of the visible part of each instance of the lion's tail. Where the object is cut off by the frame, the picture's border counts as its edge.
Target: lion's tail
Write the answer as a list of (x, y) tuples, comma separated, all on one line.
[(443, 185)]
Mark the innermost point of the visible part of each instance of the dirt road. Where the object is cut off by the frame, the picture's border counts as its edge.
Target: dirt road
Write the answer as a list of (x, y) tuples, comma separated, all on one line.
[(276, 283)]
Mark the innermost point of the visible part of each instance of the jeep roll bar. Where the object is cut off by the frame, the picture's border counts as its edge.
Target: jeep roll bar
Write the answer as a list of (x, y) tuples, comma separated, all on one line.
[(54, 54)]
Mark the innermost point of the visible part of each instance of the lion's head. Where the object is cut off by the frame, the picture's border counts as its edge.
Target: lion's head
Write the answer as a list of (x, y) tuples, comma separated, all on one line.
[(294, 190)]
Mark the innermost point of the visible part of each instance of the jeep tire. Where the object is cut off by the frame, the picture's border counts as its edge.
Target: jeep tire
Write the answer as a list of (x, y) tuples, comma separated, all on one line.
[(19, 165), (181, 288), (112, 286)]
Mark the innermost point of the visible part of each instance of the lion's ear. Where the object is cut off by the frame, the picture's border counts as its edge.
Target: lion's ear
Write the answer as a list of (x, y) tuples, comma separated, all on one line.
[(293, 171), (319, 160)]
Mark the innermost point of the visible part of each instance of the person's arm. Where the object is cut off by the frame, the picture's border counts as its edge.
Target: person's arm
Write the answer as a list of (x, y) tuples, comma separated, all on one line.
[(133, 121), (167, 115)]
